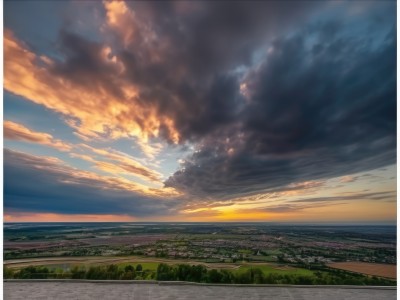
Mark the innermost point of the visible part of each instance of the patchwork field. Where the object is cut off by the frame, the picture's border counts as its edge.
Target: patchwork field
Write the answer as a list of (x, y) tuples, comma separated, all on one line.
[(382, 270)]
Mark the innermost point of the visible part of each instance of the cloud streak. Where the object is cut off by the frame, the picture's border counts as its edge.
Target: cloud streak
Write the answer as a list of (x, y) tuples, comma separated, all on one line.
[(18, 132), (46, 184)]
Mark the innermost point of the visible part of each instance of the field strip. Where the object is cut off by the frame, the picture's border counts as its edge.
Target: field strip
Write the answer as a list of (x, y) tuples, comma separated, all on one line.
[(374, 269), (110, 260)]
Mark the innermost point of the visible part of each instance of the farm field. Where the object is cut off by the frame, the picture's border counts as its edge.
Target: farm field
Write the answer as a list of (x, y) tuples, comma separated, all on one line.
[(382, 270)]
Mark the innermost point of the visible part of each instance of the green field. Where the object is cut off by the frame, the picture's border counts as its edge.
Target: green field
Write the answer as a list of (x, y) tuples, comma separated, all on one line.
[(268, 269), (152, 266)]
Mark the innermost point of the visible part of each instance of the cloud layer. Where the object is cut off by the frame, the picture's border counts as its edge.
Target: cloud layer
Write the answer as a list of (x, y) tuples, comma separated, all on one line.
[(264, 95), (321, 104), (38, 183)]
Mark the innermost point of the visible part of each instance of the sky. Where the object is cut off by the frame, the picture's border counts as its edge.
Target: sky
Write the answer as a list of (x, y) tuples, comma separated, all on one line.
[(200, 111)]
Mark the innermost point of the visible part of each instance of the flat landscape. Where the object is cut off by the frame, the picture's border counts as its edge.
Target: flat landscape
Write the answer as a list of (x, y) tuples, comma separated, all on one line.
[(241, 253)]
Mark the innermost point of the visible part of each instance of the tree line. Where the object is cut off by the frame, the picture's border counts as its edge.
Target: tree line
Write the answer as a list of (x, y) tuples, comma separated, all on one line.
[(200, 273), (195, 273)]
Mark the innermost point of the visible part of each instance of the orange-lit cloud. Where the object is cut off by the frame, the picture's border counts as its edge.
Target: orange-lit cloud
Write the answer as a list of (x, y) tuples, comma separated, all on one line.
[(122, 163), (19, 132), (125, 163), (74, 176), (106, 106), (347, 179), (121, 19)]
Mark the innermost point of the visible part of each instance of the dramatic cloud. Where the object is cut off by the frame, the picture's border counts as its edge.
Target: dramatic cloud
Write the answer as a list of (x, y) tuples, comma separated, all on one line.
[(321, 105), (166, 70), (261, 99), (96, 106), (18, 132), (46, 184), (118, 162)]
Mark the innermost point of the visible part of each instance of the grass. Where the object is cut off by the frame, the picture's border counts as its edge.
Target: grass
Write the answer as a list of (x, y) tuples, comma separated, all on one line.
[(263, 258), (267, 269), (273, 252), (245, 251)]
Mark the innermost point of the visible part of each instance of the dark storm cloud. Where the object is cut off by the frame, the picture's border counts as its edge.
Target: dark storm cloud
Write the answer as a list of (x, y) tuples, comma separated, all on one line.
[(182, 59), (40, 184), (321, 105), (83, 64)]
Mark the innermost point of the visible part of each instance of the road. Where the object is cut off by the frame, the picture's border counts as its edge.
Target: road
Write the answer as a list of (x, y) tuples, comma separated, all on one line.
[(24, 290)]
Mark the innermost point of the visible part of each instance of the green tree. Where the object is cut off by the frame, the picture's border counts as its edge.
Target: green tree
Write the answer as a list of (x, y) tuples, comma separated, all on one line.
[(214, 276), (139, 268), (8, 273), (127, 275), (129, 268), (226, 276), (164, 272), (78, 273), (182, 272)]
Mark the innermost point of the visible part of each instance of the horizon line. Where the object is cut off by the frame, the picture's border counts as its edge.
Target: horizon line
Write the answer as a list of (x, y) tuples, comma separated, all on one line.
[(394, 223)]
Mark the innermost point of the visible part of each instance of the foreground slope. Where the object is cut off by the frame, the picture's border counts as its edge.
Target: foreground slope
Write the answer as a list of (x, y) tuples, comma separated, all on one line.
[(14, 290)]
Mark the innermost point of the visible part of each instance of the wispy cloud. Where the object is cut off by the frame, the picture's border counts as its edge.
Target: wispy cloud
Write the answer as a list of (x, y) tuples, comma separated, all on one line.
[(386, 195), (120, 163), (18, 132), (47, 184)]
